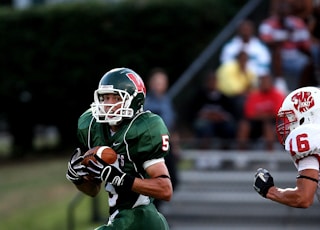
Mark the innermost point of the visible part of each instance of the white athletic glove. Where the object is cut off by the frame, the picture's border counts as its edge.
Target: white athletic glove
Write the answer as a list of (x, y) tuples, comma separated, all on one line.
[(108, 173), (76, 170)]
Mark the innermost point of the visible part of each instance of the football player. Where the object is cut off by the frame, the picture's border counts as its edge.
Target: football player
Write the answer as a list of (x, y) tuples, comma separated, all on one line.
[(141, 140), (298, 129)]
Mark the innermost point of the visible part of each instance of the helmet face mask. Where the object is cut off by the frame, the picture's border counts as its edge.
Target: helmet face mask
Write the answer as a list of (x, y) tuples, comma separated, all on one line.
[(302, 106), (286, 122), (129, 86)]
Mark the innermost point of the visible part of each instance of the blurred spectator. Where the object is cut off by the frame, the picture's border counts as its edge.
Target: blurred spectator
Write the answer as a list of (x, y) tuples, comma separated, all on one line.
[(159, 103), (157, 100), (289, 40), (214, 118), (308, 11), (313, 23), (260, 110), (300, 8), (259, 56), (235, 80)]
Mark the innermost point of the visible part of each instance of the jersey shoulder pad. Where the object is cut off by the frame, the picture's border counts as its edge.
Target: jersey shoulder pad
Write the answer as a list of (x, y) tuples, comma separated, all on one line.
[(151, 134), (149, 120)]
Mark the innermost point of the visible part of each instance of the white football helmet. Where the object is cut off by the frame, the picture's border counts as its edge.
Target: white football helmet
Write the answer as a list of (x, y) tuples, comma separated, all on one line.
[(301, 106)]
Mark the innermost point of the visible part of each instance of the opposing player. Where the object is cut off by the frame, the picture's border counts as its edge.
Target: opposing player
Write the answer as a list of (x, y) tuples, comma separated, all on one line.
[(298, 128), (141, 140)]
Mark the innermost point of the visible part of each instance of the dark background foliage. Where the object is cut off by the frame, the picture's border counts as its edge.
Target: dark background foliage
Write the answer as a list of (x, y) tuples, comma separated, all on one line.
[(52, 57)]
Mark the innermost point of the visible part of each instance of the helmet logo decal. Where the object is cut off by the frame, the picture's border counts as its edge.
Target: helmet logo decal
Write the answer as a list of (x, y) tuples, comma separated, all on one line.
[(302, 101), (137, 81)]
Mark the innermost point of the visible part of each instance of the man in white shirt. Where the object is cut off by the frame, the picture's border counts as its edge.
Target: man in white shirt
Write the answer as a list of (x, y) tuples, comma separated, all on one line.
[(258, 53)]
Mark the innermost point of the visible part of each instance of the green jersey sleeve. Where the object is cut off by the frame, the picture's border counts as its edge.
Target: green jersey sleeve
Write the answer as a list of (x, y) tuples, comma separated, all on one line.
[(148, 138)]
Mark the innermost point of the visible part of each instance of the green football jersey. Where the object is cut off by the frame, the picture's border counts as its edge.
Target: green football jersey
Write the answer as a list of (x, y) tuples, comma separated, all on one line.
[(139, 140)]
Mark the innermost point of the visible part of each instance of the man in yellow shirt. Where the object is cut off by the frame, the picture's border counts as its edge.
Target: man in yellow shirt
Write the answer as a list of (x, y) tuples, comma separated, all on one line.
[(235, 78)]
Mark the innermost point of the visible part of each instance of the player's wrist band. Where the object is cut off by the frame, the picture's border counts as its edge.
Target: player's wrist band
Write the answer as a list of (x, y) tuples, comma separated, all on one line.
[(164, 176), (307, 177)]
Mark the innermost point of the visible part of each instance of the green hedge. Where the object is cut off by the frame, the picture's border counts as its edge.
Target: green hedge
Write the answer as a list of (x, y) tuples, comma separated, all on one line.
[(56, 54)]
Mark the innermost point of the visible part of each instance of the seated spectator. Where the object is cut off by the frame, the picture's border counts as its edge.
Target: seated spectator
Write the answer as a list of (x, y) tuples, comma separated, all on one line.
[(260, 110), (300, 8), (259, 56), (313, 23), (289, 40), (308, 11), (235, 80), (214, 118), (235, 77)]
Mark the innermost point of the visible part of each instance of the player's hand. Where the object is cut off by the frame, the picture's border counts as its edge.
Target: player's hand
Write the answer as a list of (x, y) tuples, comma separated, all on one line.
[(108, 173), (76, 170), (263, 181)]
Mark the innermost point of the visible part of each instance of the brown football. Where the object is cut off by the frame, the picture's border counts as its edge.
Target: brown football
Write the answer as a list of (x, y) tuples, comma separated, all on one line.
[(106, 153)]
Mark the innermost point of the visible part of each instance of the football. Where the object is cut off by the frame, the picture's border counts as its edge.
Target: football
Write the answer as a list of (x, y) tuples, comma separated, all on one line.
[(106, 153)]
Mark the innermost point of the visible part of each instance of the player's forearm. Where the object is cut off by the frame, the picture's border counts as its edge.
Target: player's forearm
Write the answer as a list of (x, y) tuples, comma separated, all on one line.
[(289, 196), (159, 188)]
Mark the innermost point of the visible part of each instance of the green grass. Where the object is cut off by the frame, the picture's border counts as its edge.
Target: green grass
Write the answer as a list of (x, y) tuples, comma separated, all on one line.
[(36, 195)]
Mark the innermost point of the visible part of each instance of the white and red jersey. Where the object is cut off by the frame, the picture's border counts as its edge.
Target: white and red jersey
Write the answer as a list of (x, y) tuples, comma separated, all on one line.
[(303, 143), (294, 34)]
